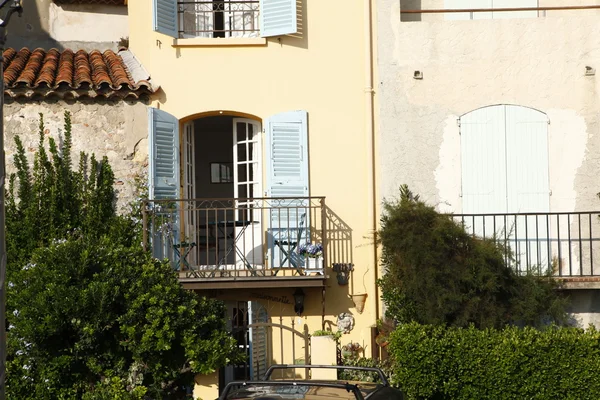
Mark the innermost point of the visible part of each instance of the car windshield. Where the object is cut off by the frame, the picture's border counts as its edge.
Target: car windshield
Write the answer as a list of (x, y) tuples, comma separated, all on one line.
[(299, 390)]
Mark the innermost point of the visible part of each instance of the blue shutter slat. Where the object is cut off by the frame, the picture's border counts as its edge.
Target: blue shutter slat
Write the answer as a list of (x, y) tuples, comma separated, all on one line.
[(278, 17), (165, 17)]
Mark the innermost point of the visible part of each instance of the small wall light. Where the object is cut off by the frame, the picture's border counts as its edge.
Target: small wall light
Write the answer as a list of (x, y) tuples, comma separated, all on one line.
[(589, 71), (299, 301), (418, 75)]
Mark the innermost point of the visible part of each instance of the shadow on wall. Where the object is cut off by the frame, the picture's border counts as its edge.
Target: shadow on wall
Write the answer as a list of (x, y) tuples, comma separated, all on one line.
[(31, 29), (584, 307), (410, 5), (339, 251), (339, 239)]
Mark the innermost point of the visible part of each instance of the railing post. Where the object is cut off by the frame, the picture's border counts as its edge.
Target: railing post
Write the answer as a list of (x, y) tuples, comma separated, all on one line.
[(324, 234), (144, 225)]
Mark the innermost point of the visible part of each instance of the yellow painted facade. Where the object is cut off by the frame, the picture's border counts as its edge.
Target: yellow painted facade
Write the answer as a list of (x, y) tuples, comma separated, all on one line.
[(323, 70)]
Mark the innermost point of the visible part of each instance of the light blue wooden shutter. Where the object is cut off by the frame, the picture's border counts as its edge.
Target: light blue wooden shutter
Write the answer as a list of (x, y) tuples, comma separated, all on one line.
[(258, 340), (164, 181), (287, 155), (164, 155), (278, 17), (527, 160), (287, 176), (528, 189), (165, 17), (483, 159)]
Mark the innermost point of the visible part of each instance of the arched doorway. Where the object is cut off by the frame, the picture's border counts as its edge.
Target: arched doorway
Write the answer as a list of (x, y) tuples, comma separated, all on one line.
[(222, 160)]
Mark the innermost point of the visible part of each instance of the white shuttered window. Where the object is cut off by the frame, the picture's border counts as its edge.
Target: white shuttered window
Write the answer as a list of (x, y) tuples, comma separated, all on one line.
[(225, 18), (490, 4)]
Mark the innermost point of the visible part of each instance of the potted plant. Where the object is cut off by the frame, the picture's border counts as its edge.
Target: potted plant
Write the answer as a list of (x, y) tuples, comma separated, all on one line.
[(323, 351), (383, 330), (351, 350), (313, 256)]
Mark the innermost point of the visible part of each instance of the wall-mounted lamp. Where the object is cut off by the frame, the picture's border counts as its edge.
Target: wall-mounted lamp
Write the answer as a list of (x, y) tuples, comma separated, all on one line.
[(589, 71), (418, 75), (299, 301)]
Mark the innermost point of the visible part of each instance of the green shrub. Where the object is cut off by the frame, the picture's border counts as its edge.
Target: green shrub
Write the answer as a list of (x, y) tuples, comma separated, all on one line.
[(90, 314), (437, 273), (365, 376), (435, 362)]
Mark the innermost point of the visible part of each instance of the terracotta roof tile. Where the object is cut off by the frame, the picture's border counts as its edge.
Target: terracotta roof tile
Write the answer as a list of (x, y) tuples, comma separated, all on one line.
[(47, 73), (65, 68), (66, 74)]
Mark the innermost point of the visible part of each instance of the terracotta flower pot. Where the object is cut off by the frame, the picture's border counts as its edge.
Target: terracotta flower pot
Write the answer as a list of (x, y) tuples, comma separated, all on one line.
[(359, 301)]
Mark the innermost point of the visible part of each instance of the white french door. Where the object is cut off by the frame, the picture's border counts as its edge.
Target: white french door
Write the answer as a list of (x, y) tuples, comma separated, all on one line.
[(504, 155), (189, 179), (247, 177)]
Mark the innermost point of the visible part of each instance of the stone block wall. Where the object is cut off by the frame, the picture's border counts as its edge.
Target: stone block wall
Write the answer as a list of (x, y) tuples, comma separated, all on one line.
[(116, 129)]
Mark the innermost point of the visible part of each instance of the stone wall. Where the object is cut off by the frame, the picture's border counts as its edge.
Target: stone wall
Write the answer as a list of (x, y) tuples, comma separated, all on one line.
[(118, 130)]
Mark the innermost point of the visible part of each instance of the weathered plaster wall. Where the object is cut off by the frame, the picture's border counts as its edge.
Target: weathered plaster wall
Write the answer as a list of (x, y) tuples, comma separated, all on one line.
[(88, 23), (118, 130), (585, 307), (533, 62), (76, 26), (536, 62)]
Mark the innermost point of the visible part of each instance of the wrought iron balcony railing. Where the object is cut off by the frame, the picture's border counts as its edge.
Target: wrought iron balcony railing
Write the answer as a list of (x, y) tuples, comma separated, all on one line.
[(235, 237), (561, 244), (219, 18)]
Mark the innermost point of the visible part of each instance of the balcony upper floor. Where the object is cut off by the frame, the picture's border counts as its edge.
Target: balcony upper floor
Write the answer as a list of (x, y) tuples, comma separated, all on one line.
[(256, 243)]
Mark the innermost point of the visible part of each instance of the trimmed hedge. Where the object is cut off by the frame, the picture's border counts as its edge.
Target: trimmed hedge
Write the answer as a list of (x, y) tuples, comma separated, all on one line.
[(436, 362)]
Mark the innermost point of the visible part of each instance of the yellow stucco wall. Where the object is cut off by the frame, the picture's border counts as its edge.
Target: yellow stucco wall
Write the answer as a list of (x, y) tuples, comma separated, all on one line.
[(322, 72)]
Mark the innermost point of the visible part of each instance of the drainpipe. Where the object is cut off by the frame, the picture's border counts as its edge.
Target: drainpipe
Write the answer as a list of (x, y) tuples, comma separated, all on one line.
[(370, 133)]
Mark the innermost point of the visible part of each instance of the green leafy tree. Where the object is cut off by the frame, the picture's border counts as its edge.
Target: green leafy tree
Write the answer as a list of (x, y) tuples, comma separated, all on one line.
[(437, 273), (90, 314)]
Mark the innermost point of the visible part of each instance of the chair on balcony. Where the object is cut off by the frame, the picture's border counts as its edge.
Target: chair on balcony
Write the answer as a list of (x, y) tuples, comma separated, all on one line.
[(182, 250), (288, 246), (203, 243)]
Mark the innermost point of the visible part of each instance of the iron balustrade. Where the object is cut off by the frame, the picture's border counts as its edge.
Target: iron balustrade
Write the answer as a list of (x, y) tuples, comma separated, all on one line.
[(561, 244), (211, 19), (237, 237)]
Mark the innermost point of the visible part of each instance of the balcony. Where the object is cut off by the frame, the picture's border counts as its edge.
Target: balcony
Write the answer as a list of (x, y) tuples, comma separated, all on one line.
[(565, 245), (237, 242)]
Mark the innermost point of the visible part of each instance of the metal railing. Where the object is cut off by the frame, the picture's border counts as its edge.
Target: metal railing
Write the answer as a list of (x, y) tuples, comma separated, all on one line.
[(237, 237), (210, 19), (560, 244)]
